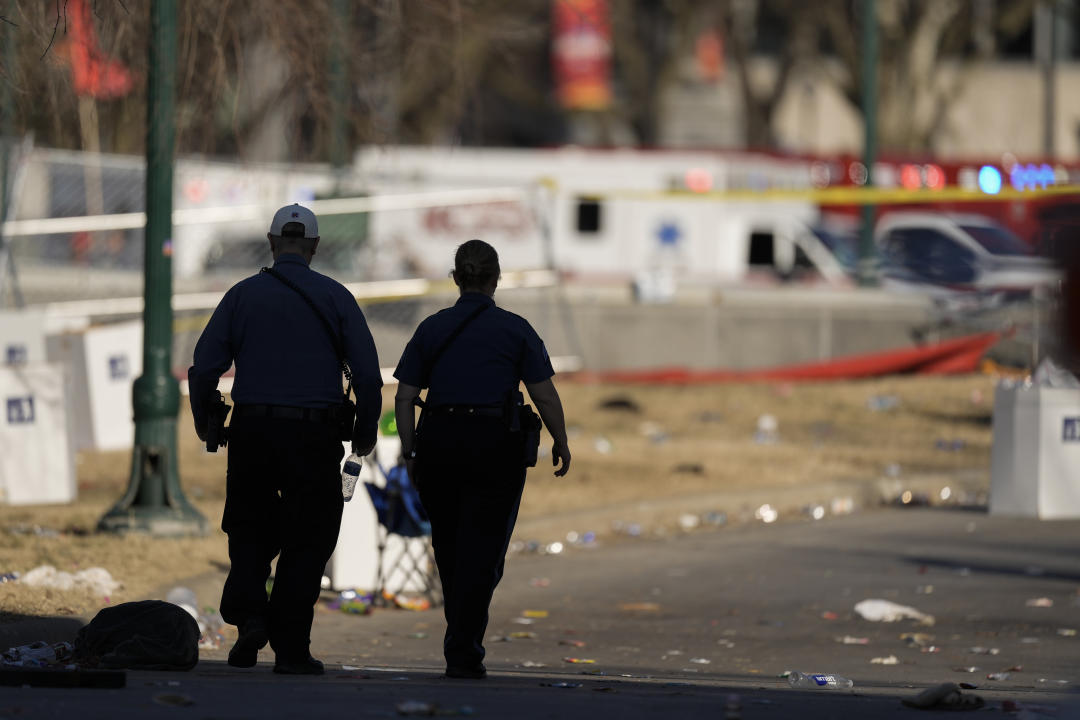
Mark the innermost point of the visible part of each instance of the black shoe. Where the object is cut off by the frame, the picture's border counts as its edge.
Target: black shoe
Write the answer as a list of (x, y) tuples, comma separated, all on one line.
[(245, 652), (309, 666), (477, 672)]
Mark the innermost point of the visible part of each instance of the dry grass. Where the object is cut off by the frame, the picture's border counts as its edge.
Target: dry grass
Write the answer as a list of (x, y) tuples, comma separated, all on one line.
[(827, 434)]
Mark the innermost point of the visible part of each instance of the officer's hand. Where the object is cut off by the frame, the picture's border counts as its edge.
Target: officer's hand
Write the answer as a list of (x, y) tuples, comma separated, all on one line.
[(559, 451)]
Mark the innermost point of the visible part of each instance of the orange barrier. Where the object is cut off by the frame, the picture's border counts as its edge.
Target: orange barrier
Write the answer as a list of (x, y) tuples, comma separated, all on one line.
[(960, 355)]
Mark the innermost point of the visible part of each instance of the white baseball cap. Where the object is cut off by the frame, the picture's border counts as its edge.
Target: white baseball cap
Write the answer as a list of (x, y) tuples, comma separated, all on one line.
[(295, 213)]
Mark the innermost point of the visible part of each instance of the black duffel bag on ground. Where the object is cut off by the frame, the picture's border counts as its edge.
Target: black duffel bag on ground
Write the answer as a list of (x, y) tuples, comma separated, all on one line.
[(144, 635)]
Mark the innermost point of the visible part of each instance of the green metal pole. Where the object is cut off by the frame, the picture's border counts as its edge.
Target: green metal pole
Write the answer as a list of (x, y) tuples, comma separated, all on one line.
[(866, 271), (154, 502), (7, 114), (7, 134)]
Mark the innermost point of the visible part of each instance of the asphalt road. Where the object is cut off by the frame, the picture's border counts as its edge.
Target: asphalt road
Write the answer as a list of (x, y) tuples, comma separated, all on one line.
[(700, 625)]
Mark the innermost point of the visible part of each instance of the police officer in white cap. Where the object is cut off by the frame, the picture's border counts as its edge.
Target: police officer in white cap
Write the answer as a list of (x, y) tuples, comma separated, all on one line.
[(287, 330)]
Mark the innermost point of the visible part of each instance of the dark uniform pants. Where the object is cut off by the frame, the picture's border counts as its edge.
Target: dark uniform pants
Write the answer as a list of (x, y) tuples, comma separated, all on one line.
[(283, 497), (470, 479)]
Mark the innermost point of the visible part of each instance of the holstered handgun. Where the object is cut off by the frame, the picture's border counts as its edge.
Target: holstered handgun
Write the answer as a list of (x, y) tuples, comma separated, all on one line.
[(217, 435)]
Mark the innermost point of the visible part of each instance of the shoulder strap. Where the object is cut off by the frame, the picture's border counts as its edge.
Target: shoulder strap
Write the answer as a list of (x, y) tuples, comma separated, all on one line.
[(449, 339), (334, 339)]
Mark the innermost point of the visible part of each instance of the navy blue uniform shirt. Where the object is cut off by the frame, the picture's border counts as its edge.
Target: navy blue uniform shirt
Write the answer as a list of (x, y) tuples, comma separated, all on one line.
[(282, 351), (495, 352)]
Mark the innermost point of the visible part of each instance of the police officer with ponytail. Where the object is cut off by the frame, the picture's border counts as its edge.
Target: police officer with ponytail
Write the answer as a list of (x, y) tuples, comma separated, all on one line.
[(469, 454)]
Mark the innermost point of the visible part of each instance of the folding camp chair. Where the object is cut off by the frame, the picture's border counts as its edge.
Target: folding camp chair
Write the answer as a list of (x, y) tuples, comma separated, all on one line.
[(412, 563)]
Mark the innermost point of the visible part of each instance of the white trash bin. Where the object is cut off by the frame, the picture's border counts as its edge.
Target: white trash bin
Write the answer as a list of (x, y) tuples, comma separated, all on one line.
[(1035, 458), (37, 465)]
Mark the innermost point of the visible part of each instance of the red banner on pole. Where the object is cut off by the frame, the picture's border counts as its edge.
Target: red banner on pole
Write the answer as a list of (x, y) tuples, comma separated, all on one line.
[(581, 53), (92, 73)]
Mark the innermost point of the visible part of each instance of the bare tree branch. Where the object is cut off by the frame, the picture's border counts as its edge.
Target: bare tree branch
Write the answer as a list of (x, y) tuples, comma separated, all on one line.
[(55, 27)]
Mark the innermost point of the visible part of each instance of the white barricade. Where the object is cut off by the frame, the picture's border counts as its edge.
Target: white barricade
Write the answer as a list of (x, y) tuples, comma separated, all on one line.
[(102, 363), (36, 461), (22, 337), (1035, 456), (355, 562)]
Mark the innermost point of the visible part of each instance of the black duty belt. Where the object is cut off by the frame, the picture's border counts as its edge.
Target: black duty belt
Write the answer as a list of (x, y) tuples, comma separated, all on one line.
[(465, 410), (287, 412)]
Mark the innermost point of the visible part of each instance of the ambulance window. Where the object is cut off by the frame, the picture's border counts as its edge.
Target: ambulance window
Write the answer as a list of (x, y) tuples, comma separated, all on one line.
[(761, 248), (588, 216)]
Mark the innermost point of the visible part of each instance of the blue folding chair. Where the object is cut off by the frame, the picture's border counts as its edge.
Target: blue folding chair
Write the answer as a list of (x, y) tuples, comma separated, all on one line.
[(400, 512)]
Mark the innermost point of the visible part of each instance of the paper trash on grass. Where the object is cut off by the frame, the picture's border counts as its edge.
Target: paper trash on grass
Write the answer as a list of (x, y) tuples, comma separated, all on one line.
[(877, 610), (890, 660), (96, 579)]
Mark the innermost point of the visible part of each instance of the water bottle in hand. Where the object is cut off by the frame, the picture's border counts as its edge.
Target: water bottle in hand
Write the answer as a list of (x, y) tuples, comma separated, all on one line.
[(816, 681), (350, 473)]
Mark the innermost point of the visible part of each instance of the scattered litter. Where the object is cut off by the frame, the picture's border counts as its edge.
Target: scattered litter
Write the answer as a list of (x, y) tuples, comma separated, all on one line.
[(924, 590), (968, 669), (532, 664), (175, 699), (949, 445), (521, 635), (654, 432), (539, 582), (523, 621), (37, 654), (422, 635), (8, 577), (879, 403), (1030, 641), (573, 643), (640, 607), (842, 506), (917, 639), (907, 498), (715, 517), (815, 512), (768, 430), (849, 640), (352, 602), (701, 661), (930, 649), (96, 579), (997, 676), (603, 445), (946, 696), (349, 667), (980, 650), (1066, 632), (561, 684), (817, 681), (619, 402), (1042, 602), (417, 603), (579, 661), (888, 660), (876, 610), (534, 613), (829, 615), (766, 513)]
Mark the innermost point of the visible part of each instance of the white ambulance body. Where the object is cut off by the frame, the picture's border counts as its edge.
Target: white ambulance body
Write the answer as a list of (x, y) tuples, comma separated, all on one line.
[(594, 213)]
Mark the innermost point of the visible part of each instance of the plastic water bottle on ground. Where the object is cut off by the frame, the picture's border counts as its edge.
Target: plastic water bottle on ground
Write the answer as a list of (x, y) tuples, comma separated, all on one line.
[(350, 473), (816, 681)]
